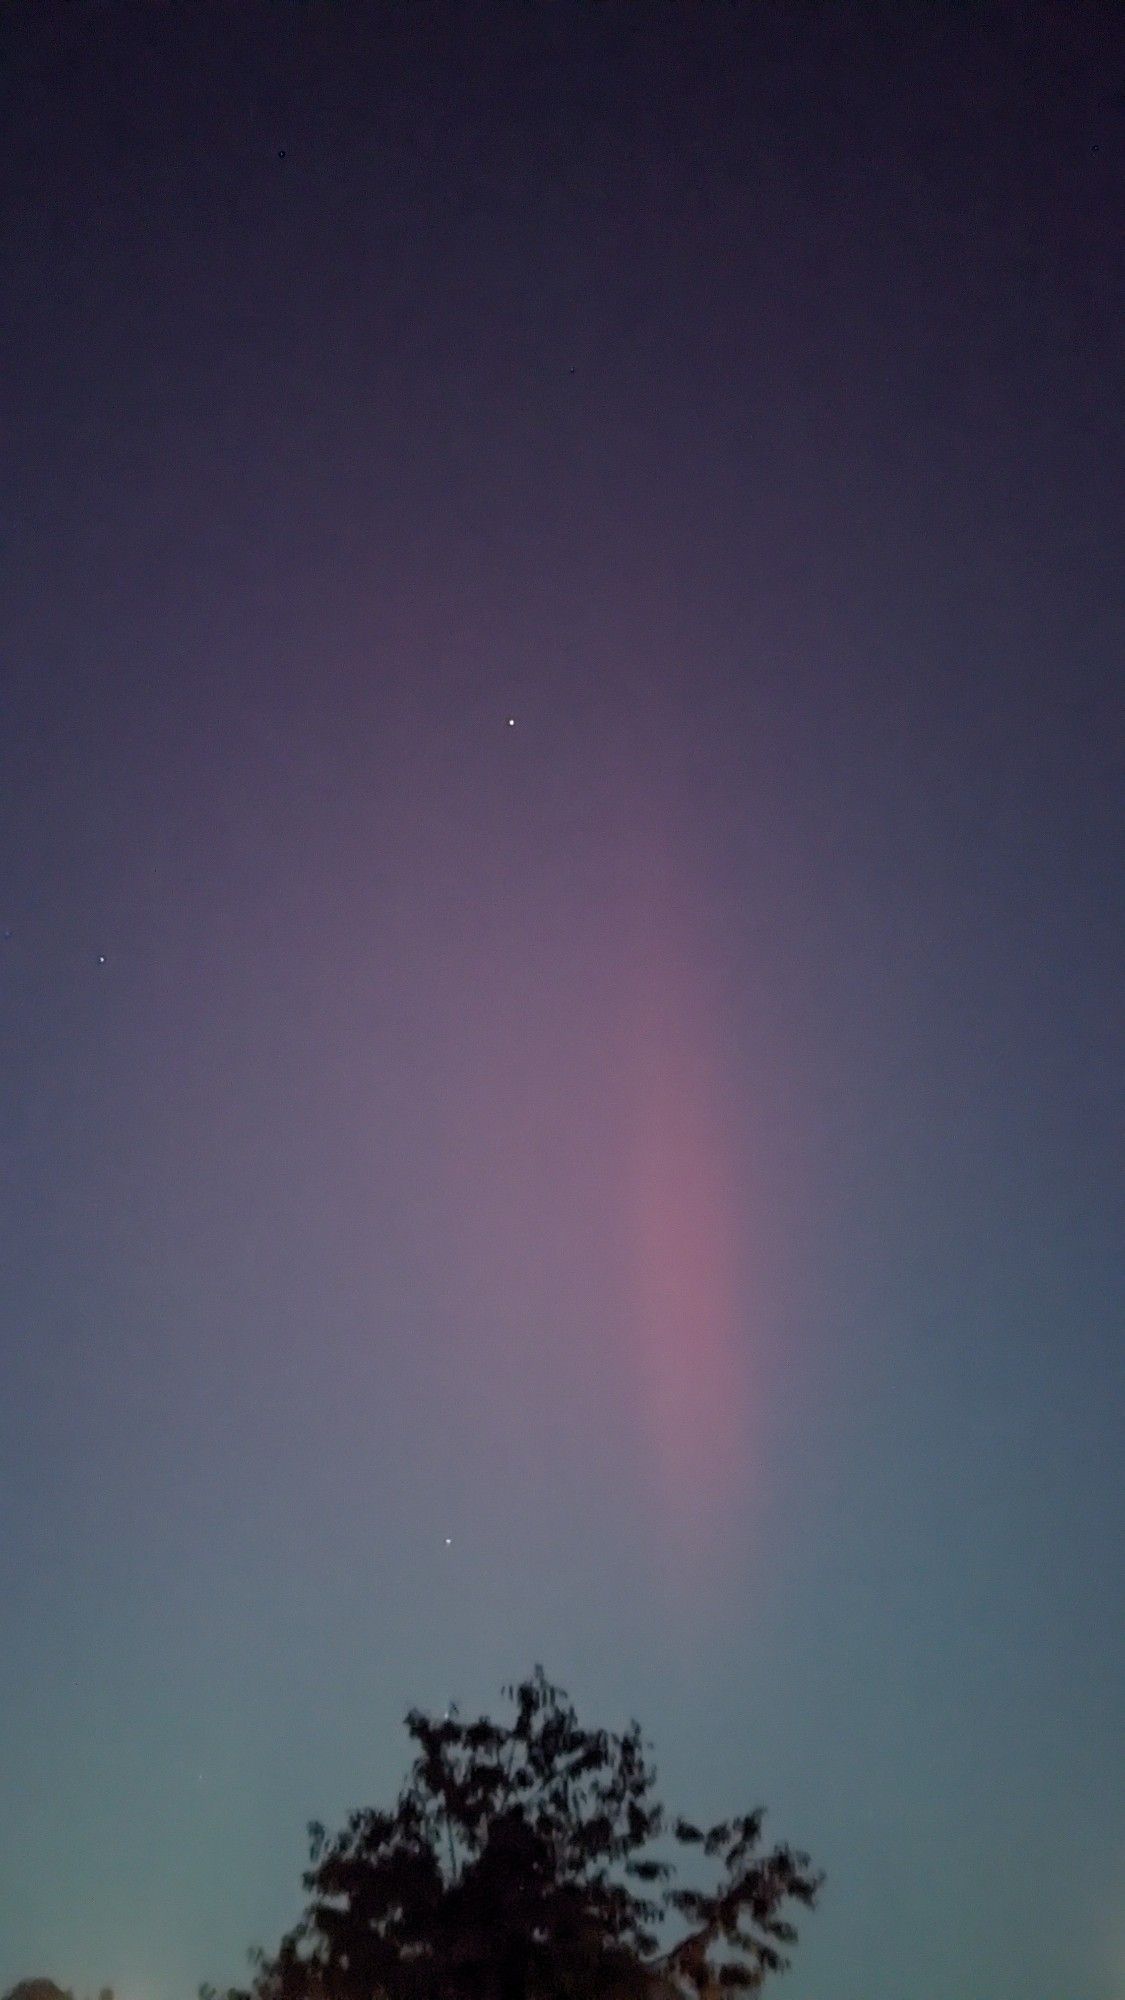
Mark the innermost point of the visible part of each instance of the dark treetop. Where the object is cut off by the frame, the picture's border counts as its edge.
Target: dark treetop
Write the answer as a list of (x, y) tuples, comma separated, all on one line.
[(529, 1860)]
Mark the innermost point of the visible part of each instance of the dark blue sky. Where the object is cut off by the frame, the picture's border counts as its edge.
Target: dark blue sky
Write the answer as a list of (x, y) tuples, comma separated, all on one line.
[(668, 1142)]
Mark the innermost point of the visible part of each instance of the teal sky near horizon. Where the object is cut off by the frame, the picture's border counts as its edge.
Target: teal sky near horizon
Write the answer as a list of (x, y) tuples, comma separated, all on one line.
[(560, 948)]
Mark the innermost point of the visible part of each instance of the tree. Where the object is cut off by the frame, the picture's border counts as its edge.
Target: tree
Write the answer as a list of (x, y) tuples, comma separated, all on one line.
[(528, 1860), (37, 1989), (45, 1989)]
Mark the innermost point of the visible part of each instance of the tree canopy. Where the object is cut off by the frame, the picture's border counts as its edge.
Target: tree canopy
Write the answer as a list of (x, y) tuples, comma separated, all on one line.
[(529, 1860), (46, 1989)]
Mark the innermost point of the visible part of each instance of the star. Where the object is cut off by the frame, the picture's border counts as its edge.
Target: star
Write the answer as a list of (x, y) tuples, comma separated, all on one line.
[(511, 722)]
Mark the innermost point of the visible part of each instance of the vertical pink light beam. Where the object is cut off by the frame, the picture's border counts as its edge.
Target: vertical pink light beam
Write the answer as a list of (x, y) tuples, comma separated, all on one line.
[(688, 1324)]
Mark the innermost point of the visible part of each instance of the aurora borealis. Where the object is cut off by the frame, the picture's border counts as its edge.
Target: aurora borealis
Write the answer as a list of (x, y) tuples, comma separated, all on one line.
[(560, 842)]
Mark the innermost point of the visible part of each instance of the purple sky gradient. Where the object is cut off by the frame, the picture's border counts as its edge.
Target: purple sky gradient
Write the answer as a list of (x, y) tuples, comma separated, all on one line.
[(669, 1146)]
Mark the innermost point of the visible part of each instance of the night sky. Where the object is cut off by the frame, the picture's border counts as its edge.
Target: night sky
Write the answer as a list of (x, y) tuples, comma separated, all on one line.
[(560, 897)]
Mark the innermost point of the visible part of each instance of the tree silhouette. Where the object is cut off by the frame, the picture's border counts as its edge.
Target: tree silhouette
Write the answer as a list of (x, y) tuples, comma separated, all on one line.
[(528, 1860), (46, 1989), (37, 1989)]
